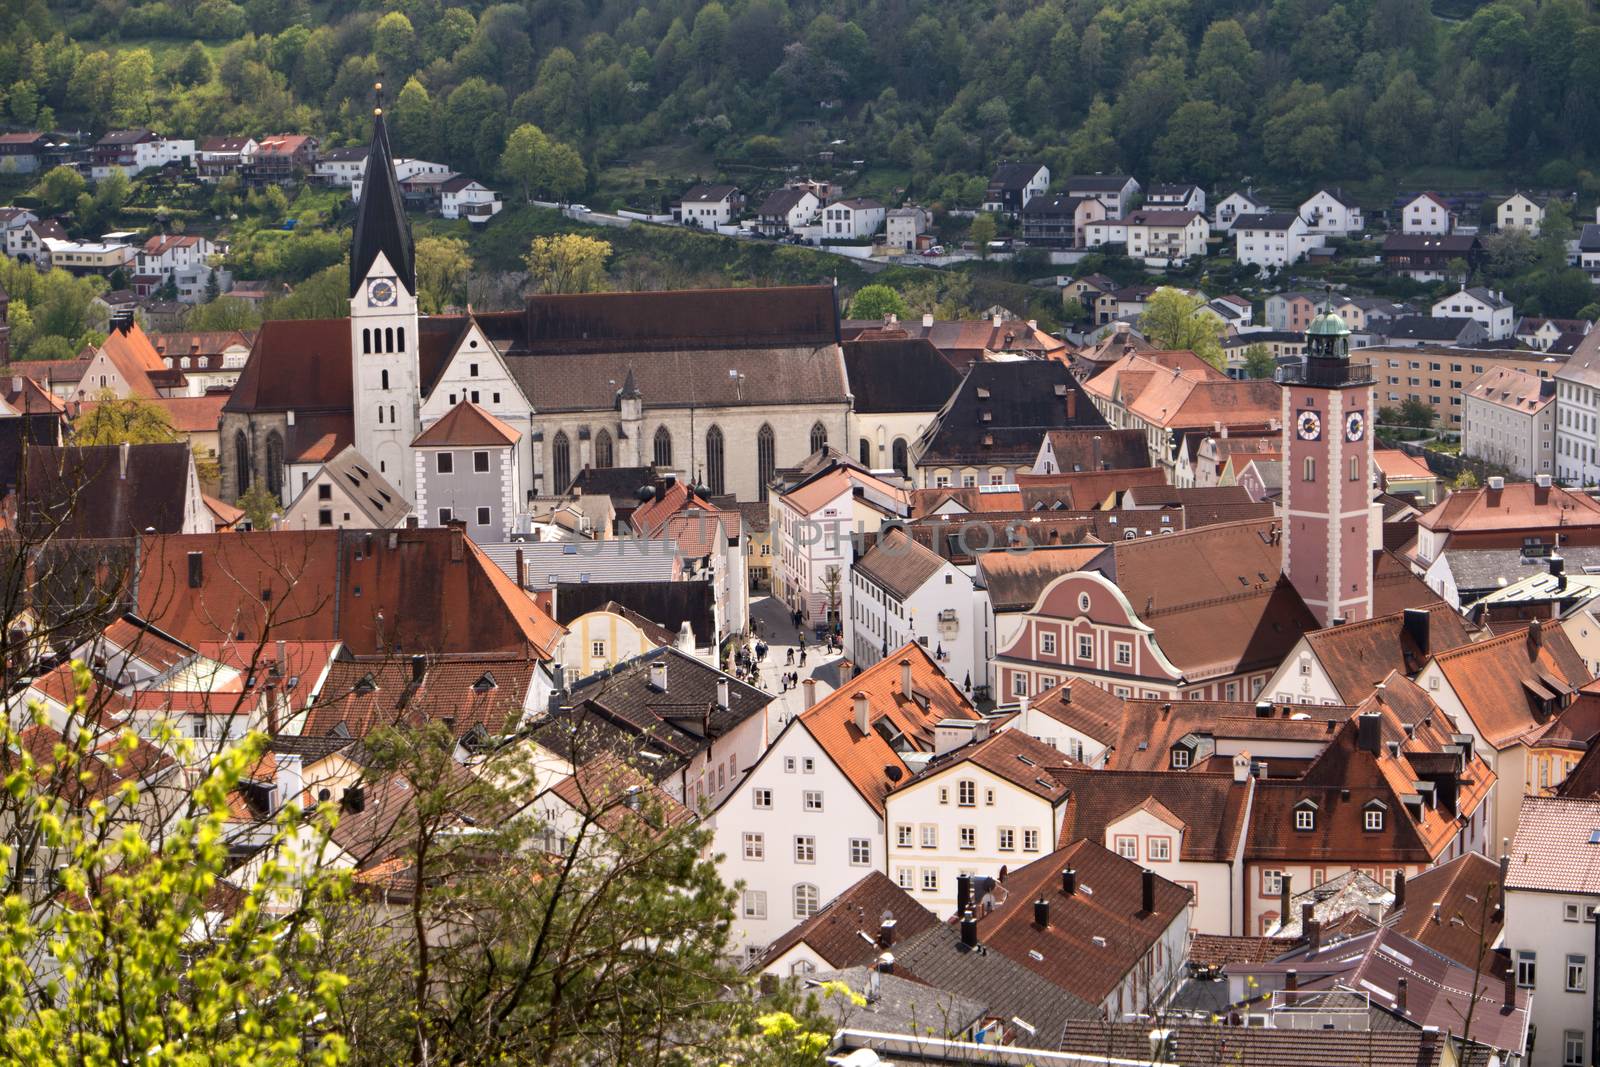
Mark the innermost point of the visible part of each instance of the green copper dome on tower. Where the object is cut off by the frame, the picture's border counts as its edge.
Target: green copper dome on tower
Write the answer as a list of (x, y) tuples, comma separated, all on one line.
[(1328, 324), (1328, 338)]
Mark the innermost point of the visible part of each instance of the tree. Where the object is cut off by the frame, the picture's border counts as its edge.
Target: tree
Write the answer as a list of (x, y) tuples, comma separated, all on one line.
[(59, 189), (1199, 142), (1259, 362), (1465, 480), (567, 263), (878, 302), (395, 44), (223, 313), (260, 506), (535, 161), (324, 295), (1175, 319), (1416, 414), (982, 232), (443, 265), (127, 420)]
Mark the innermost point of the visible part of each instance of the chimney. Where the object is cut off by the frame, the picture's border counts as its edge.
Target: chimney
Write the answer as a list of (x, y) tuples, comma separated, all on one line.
[(1400, 997), (1399, 889), (963, 893), (1313, 935), (874, 985), (1496, 483), (658, 675), (722, 693), (1284, 893), (927, 320), (1041, 913), (1308, 912), (1535, 635), (419, 667), (283, 658), (122, 458), (1069, 881), (863, 711), (969, 930), (997, 321), (1369, 733), (886, 960), (1148, 897), (1072, 403), (808, 687), (1558, 571), (1415, 626), (1291, 979), (886, 932), (1241, 767), (905, 678), (522, 571), (457, 549)]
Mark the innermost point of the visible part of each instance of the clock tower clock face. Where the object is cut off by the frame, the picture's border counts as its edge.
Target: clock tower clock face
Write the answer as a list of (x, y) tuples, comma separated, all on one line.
[(1308, 424), (381, 293), (1355, 425)]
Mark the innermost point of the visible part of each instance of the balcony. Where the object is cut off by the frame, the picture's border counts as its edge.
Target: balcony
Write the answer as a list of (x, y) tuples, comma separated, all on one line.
[(1326, 373)]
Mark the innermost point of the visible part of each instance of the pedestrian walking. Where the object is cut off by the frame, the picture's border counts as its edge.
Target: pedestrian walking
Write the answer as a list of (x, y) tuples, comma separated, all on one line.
[(789, 662)]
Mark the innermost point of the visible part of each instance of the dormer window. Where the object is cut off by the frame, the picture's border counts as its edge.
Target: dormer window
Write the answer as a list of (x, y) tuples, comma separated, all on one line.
[(1305, 816), (1180, 758), (1372, 816)]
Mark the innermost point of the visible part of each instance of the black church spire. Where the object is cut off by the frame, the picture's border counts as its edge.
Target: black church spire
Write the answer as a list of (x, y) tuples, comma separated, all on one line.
[(381, 224)]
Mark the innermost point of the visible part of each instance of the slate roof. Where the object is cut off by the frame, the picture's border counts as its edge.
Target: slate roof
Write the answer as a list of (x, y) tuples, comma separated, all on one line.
[(896, 1004), (1429, 328), (891, 375), (1271, 220), (381, 224), (1000, 412), (1013, 176), (92, 491), (1096, 183), (783, 201), (845, 932), (709, 194), (552, 563)]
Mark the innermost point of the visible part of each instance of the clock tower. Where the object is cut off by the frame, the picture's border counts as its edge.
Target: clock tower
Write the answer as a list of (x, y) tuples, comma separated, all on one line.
[(386, 391), (1327, 464)]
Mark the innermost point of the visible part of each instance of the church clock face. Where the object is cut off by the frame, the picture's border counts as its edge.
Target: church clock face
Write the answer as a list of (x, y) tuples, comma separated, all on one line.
[(1308, 424), (1355, 426), (381, 293)]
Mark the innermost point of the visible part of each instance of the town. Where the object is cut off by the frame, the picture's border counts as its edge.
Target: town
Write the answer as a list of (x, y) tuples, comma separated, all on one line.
[(1203, 669)]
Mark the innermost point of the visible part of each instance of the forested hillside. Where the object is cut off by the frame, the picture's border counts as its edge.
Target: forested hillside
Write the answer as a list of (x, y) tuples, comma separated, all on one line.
[(932, 92)]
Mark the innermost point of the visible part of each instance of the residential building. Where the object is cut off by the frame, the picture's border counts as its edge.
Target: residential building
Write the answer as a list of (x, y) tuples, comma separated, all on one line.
[(283, 158), (1510, 420), (165, 254), (1489, 308), (1427, 213), (1578, 414), (786, 211), (1429, 257), (1168, 236), (599, 639), (1293, 311), (816, 521), (808, 819), (1013, 186), (221, 157), (905, 227), (1551, 893), (1417, 331), (136, 489), (468, 198), (1272, 240), (20, 239), (1178, 197), (105, 256), (1439, 376), (964, 342), (346, 493), (989, 430), (1342, 665), (342, 167), (1536, 331), (712, 546), (1073, 451), (899, 386), (1403, 475), (709, 206), (1332, 213), (1057, 220), (1519, 211), (853, 929), (852, 220), (1589, 250), (21, 153), (1115, 191), (1234, 205), (133, 151), (990, 803), (900, 591), (467, 471)]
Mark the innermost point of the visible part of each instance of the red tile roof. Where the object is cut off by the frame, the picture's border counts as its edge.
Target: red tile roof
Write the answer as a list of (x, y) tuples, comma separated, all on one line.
[(1454, 908), (1511, 684), (1211, 807), (1358, 655), (1519, 506), (464, 426)]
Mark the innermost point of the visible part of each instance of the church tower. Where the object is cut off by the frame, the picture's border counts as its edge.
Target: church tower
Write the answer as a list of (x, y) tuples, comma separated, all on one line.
[(387, 393), (1327, 460)]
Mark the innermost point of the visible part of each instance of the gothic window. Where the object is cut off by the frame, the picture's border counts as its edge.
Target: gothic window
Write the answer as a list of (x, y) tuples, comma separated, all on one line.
[(766, 449), (275, 463), (819, 437), (866, 452), (663, 448), (714, 475), (241, 461), (902, 459), (602, 449), (561, 462)]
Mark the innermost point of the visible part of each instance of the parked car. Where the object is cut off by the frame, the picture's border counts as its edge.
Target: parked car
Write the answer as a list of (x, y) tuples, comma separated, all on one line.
[(935, 250), (578, 209)]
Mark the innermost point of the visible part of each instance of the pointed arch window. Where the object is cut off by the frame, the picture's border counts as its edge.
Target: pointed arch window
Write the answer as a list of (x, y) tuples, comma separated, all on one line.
[(561, 462), (766, 450), (714, 468), (241, 461), (819, 437), (275, 463), (663, 447), (602, 449)]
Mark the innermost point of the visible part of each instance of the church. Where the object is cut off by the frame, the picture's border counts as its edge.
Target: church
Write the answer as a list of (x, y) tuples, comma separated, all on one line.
[(721, 386)]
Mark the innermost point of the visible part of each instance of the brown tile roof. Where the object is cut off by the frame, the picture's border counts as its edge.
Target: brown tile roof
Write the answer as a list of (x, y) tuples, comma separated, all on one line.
[(1084, 707), (1179, 390), (1555, 849), (1511, 684), (318, 438), (1395, 586), (601, 791), (464, 426), (1211, 806), (1015, 579), (1454, 908), (1151, 729), (1218, 950), (1215, 597), (206, 344), (869, 760), (187, 414), (1086, 489), (899, 564), (464, 690), (1097, 935), (1011, 755), (1519, 506), (845, 932), (296, 364), (1358, 655), (134, 488), (1091, 450)]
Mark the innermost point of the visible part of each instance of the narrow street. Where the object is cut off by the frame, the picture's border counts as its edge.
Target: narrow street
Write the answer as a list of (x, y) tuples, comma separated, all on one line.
[(770, 622)]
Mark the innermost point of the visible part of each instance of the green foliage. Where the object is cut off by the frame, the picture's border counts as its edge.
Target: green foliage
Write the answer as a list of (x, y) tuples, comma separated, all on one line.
[(567, 263), (130, 420), (1465, 480), (260, 506), (1416, 414), (539, 164), (443, 264), (324, 295), (223, 313), (877, 302), (1173, 319), (52, 313), (1258, 361), (982, 232)]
